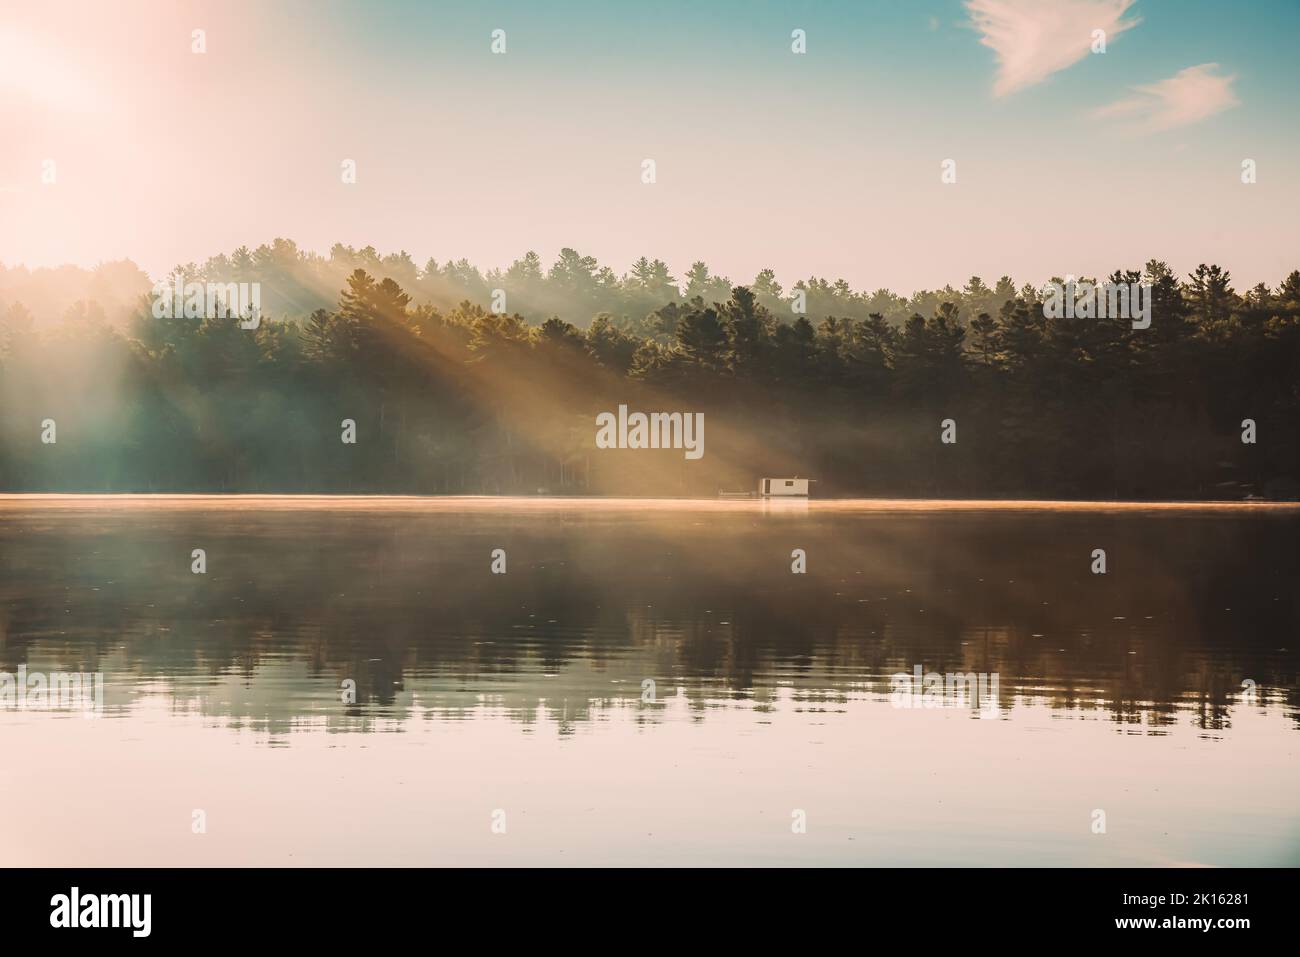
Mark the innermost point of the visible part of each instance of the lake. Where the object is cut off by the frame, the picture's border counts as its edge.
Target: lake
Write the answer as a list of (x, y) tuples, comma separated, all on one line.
[(369, 681)]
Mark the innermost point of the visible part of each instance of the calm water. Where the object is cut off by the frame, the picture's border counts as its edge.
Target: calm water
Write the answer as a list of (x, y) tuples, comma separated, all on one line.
[(522, 693)]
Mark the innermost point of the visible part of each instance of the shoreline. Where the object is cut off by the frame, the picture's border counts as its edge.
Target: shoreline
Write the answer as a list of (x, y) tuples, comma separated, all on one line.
[(597, 503)]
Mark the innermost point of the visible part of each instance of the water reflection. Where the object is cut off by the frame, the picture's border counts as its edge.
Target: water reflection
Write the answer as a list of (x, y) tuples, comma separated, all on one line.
[(397, 596)]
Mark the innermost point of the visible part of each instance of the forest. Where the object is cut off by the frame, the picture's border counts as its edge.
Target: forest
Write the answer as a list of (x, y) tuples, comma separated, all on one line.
[(463, 382)]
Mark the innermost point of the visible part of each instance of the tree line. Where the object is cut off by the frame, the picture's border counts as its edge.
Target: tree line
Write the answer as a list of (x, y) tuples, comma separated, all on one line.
[(848, 388), (297, 282)]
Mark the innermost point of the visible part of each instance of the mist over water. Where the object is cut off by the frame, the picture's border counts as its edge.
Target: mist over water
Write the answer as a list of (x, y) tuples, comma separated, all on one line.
[(772, 691)]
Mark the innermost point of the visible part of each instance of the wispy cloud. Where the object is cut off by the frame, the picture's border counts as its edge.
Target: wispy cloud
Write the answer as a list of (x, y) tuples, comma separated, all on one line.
[(1035, 38), (1188, 96)]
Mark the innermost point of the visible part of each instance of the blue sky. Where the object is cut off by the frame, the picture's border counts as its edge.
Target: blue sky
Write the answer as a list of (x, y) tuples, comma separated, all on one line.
[(824, 163)]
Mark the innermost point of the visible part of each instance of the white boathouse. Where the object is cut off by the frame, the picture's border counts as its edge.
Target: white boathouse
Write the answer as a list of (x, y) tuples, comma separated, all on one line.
[(780, 487)]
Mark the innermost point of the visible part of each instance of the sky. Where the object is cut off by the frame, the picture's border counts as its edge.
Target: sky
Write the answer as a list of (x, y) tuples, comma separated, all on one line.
[(825, 163)]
